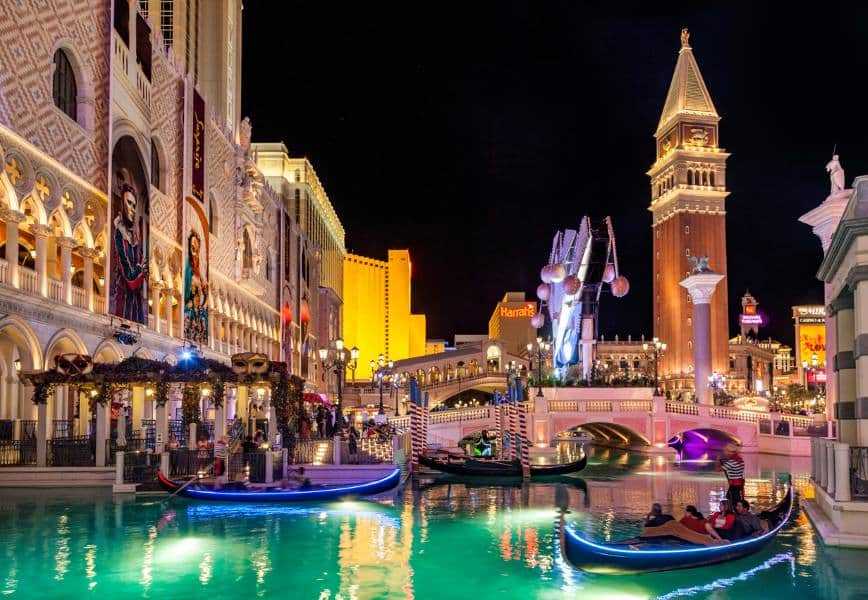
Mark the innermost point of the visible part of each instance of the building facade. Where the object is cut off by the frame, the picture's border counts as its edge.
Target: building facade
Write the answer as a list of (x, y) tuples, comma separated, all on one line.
[(510, 322), (810, 330), (313, 254), (377, 316), (135, 219), (688, 193)]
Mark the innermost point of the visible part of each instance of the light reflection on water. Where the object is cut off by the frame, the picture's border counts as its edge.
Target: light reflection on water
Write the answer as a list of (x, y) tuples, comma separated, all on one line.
[(441, 539)]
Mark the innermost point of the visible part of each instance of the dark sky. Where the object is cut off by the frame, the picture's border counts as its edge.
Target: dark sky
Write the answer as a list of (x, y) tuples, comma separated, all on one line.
[(469, 132)]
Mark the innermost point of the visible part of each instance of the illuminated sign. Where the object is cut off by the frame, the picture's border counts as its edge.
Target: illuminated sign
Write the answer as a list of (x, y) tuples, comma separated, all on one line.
[(525, 312), (809, 314), (812, 344)]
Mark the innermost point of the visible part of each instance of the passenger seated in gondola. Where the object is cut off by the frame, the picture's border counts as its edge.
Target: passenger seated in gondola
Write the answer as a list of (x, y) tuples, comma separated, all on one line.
[(721, 525), (693, 519), (747, 524), (656, 518)]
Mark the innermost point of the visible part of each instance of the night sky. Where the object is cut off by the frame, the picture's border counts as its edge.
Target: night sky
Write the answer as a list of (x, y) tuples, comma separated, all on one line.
[(469, 132)]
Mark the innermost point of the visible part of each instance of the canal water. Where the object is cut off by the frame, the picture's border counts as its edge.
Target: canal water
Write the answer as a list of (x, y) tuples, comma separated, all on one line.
[(442, 540)]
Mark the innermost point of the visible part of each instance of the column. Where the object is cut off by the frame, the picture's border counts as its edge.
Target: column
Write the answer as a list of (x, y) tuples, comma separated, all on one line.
[(42, 434), (241, 403), (41, 233), (66, 245), (700, 285), (103, 422), (272, 421), (137, 410), (88, 254), (156, 292), (860, 354), (162, 428), (845, 371), (220, 420), (12, 218), (170, 313)]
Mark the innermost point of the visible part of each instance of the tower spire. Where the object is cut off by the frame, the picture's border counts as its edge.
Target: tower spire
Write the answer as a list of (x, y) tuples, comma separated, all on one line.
[(688, 95)]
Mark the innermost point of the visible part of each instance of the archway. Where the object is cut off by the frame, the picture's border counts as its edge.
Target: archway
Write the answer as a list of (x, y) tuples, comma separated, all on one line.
[(19, 351), (605, 434), (492, 358), (701, 441), (62, 404)]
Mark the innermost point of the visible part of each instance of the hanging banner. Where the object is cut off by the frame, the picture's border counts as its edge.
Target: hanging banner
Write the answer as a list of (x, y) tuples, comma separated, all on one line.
[(197, 251), (197, 157), (130, 219)]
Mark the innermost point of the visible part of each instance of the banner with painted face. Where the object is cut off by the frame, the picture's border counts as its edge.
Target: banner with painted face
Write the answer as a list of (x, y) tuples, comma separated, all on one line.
[(197, 253), (130, 218)]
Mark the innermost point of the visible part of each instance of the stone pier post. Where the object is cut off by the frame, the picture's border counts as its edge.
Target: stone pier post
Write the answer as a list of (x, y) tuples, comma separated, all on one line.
[(700, 285)]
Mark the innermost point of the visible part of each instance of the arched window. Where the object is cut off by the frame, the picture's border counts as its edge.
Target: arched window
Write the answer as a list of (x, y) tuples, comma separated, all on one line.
[(212, 215), (689, 177), (248, 251), (268, 266), (155, 166), (711, 179), (65, 90)]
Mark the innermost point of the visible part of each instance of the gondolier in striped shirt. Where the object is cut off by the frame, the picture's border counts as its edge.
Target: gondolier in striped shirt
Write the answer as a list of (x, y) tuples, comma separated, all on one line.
[(732, 465)]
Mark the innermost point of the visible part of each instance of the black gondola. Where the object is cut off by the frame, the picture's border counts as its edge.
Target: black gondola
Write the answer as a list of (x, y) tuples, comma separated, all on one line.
[(470, 467), (659, 554)]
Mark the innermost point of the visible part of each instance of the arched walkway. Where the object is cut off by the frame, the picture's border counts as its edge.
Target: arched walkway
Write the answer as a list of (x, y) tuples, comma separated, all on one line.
[(61, 404), (19, 351)]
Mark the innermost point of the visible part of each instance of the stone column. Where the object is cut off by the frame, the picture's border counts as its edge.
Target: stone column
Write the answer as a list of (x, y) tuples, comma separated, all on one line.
[(88, 254), (220, 420), (170, 313), (12, 218), (700, 285), (137, 407), (156, 291), (845, 371), (162, 428), (41, 233), (42, 421), (860, 354), (66, 245), (103, 422)]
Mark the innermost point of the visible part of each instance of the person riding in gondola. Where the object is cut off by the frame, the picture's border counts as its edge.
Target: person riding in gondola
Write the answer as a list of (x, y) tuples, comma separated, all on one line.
[(721, 525), (693, 519), (747, 524)]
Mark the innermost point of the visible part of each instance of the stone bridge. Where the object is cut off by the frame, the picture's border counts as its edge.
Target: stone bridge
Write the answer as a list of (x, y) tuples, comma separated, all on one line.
[(634, 418), (439, 391)]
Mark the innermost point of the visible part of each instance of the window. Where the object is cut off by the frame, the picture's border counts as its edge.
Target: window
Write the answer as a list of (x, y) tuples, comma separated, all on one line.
[(143, 8), (689, 177), (155, 166), (711, 179), (212, 215), (65, 90), (268, 266), (687, 229), (687, 252), (247, 259), (166, 13)]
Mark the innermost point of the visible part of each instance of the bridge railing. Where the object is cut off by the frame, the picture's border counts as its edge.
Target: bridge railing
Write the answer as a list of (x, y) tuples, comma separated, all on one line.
[(461, 414), (600, 406)]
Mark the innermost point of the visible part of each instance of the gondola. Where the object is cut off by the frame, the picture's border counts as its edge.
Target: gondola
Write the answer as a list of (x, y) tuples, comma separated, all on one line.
[(659, 554), (239, 492), (469, 467)]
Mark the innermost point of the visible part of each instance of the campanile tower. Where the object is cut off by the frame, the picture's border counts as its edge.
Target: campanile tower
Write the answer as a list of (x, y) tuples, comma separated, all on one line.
[(688, 194)]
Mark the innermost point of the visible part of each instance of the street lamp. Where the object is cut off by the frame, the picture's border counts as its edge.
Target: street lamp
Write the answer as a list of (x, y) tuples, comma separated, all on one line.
[(338, 360), (542, 349), (382, 372), (659, 348)]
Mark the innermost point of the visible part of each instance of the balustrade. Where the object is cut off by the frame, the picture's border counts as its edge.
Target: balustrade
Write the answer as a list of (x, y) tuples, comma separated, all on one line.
[(79, 298), (28, 279), (55, 289), (4, 271)]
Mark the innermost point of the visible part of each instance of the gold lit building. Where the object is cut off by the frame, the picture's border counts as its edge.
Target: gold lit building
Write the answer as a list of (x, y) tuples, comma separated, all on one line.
[(810, 324), (688, 193), (376, 310), (510, 322)]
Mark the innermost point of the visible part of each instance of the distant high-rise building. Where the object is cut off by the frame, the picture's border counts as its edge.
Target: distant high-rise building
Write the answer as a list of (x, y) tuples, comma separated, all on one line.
[(510, 322), (688, 193)]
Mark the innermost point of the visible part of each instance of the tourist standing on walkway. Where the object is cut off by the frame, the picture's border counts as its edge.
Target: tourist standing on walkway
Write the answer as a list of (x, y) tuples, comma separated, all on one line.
[(320, 421), (732, 465)]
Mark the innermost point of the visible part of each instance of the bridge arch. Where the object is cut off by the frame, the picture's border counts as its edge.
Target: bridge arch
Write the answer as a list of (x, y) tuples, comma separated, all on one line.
[(608, 433), (702, 439)]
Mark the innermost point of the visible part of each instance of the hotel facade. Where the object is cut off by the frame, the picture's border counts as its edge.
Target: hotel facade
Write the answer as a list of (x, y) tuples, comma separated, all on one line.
[(135, 218)]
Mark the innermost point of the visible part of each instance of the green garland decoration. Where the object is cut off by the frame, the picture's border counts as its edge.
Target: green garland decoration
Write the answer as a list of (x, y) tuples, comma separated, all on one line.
[(218, 392), (190, 404), (41, 392), (161, 394)]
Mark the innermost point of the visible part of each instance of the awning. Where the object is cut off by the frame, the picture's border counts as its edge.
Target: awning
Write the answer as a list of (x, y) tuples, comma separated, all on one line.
[(316, 398)]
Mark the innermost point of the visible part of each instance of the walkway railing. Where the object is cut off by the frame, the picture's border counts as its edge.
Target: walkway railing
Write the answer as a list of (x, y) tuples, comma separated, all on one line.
[(16, 453), (71, 452)]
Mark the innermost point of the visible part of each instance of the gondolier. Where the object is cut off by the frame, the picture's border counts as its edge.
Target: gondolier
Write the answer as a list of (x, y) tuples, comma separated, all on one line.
[(732, 465)]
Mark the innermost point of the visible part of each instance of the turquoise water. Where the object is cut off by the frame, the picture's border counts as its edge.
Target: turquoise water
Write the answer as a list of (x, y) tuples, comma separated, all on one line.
[(440, 541)]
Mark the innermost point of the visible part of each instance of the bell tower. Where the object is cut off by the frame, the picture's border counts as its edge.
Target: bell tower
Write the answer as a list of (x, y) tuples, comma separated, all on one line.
[(688, 194)]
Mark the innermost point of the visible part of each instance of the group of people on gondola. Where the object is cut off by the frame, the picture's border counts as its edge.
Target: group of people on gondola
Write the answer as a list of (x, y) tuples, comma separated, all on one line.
[(729, 523)]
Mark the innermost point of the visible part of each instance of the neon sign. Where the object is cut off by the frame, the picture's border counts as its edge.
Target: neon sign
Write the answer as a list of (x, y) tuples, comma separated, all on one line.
[(525, 312)]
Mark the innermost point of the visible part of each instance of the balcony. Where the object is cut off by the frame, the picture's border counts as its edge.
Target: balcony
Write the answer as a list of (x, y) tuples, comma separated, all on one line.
[(55, 290), (28, 280)]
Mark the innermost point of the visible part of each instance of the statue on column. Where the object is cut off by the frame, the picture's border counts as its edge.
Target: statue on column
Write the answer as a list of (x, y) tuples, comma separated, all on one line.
[(836, 174)]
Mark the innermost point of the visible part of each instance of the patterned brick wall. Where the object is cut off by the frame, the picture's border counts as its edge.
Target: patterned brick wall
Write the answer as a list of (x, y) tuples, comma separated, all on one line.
[(29, 33)]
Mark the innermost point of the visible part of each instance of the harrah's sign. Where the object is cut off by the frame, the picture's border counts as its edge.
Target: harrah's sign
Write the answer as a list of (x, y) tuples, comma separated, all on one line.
[(525, 312)]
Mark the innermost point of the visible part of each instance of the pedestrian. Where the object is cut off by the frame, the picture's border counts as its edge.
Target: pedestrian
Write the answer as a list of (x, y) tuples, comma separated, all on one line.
[(320, 421), (353, 441), (732, 465), (220, 457)]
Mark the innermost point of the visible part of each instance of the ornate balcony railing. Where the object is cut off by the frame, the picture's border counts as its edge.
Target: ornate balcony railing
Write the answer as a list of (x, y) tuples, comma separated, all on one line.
[(28, 280)]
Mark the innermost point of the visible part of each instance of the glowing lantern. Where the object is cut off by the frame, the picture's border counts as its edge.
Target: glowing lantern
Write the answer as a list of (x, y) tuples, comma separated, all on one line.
[(543, 291), (305, 312), (609, 273), (559, 273), (572, 285), (538, 320), (620, 286), (286, 314)]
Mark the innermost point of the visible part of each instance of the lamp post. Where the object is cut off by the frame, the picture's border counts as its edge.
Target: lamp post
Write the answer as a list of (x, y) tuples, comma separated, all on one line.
[(382, 370), (338, 359), (658, 348), (542, 349)]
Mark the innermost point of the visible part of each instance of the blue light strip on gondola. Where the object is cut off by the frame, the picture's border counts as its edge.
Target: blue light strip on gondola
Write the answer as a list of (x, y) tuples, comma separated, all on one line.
[(713, 549), (293, 493)]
